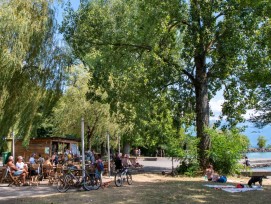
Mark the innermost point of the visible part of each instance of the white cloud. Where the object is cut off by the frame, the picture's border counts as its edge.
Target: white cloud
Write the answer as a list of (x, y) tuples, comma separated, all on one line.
[(216, 107)]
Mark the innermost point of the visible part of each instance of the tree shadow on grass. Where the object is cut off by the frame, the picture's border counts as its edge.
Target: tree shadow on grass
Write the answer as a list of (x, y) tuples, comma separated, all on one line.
[(155, 192)]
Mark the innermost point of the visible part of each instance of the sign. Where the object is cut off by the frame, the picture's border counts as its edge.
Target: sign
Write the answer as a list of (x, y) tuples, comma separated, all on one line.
[(47, 150)]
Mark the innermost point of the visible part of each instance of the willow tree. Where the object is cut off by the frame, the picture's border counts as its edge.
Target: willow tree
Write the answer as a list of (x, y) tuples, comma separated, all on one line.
[(193, 47), (31, 65), (73, 105)]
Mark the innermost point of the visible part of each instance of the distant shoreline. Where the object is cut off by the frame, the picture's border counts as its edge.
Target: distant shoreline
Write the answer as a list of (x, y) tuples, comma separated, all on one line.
[(258, 150)]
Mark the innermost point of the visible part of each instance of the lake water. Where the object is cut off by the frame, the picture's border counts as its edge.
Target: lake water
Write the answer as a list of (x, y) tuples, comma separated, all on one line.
[(259, 155)]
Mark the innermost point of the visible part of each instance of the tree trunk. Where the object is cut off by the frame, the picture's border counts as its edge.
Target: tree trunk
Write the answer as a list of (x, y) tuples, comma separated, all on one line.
[(202, 110), (127, 148)]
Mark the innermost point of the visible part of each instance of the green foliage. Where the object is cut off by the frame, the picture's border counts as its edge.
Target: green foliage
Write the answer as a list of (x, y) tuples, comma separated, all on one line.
[(140, 52), (261, 141), (189, 164), (32, 67), (226, 150), (73, 105)]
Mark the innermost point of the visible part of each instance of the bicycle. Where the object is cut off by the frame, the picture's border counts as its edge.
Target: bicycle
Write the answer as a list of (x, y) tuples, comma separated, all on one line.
[(90, 181), (122, 175)]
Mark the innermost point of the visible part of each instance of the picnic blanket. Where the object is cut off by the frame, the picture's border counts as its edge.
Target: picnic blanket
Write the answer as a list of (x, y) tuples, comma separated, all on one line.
[(219, 186), (233, 189), (238, 190)]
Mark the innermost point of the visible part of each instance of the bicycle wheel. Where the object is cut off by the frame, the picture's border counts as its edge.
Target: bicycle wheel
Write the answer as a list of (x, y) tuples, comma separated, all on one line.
[(62, 185), (97, 181), (129, 178), (91, 182), (118, 179)]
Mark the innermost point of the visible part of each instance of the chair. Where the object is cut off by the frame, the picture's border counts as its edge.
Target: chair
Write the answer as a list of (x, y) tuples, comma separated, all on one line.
[(55, 173), (8, 177), (4, 175), (35, 174)]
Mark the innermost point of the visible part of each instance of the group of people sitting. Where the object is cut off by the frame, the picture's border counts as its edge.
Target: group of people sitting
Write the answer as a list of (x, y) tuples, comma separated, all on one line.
[(213, 176), (124, 161), (18, 169), (22, 170)]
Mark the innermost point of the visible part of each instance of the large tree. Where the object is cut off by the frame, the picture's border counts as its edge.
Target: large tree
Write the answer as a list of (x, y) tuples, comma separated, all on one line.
[(31, 65), (147, 48)]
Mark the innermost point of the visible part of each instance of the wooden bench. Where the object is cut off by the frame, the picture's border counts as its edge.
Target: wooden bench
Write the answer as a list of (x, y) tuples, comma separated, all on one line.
[(150, 159)]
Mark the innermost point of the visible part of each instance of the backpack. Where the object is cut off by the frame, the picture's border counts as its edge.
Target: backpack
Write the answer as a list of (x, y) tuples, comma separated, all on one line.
[(100, 166), (222, 179)]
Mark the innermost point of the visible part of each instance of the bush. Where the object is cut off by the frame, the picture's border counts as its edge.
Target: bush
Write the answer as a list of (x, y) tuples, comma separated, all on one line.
[(261, 141), (226, 150)]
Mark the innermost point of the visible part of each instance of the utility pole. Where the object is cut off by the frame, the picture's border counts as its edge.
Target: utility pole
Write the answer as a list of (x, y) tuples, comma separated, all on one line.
[(83, 146), (108, 154)]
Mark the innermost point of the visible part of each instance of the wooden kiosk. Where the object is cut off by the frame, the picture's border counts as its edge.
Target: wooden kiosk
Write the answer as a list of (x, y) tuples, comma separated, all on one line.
[(46, 147)]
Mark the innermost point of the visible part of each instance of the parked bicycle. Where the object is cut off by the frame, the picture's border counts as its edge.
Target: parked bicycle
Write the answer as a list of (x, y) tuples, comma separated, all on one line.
[(74, 178), (123, 175)]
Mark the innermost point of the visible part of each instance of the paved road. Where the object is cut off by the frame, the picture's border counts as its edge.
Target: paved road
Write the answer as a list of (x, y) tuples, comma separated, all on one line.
[(162, 164)]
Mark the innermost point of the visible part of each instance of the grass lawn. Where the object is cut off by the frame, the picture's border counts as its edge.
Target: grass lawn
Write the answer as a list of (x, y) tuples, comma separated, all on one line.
[(151, 188)]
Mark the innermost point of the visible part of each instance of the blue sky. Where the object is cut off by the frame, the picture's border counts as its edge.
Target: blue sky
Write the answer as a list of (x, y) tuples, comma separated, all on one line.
[(252, 132), (59, 6)]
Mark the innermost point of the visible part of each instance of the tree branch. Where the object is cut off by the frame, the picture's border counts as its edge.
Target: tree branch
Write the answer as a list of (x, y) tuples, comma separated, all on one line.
[(144, 47)]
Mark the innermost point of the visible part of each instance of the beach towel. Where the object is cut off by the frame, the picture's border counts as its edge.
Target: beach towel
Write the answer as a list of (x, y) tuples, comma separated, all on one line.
[(233, 189), (238, 190), (219, 186)]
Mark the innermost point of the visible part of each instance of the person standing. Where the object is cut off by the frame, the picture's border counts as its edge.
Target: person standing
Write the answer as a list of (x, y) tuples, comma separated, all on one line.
[(99, 165), (40, 159), (32, 159), (246, 163)]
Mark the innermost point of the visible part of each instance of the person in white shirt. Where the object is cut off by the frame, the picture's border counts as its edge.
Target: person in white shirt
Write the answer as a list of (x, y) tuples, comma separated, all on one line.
[(21, 165)]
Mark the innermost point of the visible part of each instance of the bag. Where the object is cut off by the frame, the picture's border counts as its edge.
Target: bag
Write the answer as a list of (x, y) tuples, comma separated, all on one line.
[(240, 186), (222, 179), (100, 166)]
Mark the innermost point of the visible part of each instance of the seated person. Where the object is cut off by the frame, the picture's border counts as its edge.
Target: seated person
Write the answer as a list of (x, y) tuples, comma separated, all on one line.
[(16, 171), (126, 161), (21, 165), (209, 172), (47, 167), (118, 162), (76, 158), (215, 177), (212, 176), (47, 161)]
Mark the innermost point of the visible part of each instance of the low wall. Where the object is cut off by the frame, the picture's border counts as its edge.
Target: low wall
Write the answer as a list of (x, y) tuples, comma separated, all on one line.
[(255, 173)]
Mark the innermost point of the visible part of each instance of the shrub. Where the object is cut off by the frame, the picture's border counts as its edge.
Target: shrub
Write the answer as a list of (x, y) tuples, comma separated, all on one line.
[(261, 141), (226, 150)]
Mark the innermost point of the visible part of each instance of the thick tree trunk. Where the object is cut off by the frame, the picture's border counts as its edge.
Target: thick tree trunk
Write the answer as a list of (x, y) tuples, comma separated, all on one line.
[(202, 110)]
